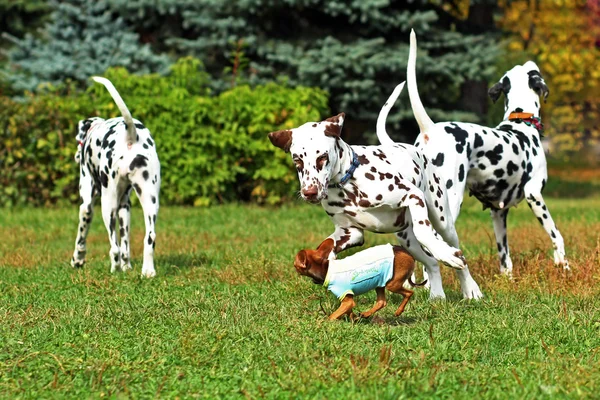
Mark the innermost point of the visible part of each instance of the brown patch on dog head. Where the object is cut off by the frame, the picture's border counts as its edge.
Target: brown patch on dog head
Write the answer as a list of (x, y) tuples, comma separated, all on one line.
[(333, 126), (281, 139)]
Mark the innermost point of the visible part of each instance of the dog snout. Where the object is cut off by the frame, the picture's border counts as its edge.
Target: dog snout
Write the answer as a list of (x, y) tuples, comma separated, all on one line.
[(310, 193)]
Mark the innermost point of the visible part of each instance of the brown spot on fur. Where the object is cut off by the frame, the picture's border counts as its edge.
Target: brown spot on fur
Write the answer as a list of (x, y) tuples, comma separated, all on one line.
[(391, 187), (281, 139), (350, 213), (362, 159), (364, 203), (401, 217), (336, 119), (420, 201), (340, 243), (379, 197), (369, 176), (333, 130)]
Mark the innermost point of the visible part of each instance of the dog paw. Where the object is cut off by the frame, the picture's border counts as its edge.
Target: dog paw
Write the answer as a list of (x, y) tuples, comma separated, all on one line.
[(472, 293), (149, 273), (455, 260), (125, 267), (77, 263), (560, 260)]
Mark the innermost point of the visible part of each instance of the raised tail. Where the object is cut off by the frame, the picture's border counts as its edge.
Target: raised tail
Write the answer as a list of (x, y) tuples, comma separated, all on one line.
[(416, 284), (131, 131), (382, 134), (425, 123)]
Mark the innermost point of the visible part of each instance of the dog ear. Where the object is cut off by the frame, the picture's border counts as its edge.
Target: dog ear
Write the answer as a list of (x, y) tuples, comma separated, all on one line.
[(325, 248), (83, 126), (334, 126), (300, 260), (495, 91), (281, 139), (537, 84)]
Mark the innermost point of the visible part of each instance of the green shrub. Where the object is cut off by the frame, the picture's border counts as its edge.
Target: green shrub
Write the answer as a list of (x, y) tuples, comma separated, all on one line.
[(212, 149)]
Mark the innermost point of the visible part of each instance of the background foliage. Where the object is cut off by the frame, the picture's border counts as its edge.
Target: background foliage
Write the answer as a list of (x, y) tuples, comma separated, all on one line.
[(356, 50), (568, 58), (212, 148)]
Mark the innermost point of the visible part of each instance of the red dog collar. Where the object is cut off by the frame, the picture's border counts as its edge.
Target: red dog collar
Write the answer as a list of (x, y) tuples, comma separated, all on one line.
[(528, 119)]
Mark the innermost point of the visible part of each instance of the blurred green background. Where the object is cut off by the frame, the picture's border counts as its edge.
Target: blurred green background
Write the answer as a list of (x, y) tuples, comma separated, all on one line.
[(211, 78)]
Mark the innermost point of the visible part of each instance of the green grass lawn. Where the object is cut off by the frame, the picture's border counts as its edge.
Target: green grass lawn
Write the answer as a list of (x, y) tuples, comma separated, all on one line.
[(227, 316)]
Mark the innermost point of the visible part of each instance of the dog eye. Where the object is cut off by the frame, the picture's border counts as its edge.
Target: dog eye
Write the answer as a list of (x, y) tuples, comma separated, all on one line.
[(322, 160), (299, 164)]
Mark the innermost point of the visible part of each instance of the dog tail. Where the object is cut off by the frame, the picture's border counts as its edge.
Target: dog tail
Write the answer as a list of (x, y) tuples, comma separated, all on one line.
[(131, 131), (382, 134), (416, 284), (425, 123)]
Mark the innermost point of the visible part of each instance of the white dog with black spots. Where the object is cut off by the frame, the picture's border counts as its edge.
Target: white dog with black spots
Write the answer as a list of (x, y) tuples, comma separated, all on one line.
[(116, 155), (382, 189), (500, 166)]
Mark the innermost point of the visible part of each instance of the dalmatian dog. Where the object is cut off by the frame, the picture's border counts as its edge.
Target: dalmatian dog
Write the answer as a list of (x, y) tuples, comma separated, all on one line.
[(115, 156), (500, 166), (382, 189)]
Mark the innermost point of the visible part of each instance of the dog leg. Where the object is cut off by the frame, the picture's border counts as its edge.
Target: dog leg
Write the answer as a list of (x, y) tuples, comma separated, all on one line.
[(423, 230), (124, 214), (446, 228), (407, 295), (431, 269), (536, 203), (147, 192), (499, 220), (109, 214), (86, 213), (379, 303), (345, 308), (345, 238)]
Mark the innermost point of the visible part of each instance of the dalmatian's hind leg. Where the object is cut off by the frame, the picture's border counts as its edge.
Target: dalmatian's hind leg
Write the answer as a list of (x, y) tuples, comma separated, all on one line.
[(499, 220), (146, 186), (124, 214), (533, 195), (110, 204), (87, 193)]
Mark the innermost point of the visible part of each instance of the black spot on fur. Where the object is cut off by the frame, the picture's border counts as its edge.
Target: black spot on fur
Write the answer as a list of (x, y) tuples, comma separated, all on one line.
[(515, 148), (461, 173), (478, 141), (145, 175), (511, 167), (438, 161), (138, 189), (138, 162), (104, 179), (460, 135), (449, 184), (495, 155)]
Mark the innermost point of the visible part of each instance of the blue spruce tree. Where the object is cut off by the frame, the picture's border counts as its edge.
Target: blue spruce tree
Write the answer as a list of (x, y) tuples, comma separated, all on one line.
[(82, 38), (356, 49)]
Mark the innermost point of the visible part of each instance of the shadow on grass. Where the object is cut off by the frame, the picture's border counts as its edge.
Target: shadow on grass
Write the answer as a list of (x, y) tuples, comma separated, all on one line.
[(390, 320), (173, 263)]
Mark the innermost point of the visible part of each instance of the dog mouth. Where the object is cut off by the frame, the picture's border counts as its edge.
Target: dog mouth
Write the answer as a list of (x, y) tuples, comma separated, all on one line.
[(317, 281)]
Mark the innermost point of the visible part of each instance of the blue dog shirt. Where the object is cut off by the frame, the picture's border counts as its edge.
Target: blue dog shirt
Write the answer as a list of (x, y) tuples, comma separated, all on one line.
[(361, 272)]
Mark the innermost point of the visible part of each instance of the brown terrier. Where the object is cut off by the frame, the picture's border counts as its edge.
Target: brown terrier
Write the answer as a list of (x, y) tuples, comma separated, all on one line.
[(379, 268)]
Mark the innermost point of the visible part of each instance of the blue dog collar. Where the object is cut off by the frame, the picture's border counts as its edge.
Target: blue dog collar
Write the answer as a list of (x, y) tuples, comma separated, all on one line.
[(349, 173)]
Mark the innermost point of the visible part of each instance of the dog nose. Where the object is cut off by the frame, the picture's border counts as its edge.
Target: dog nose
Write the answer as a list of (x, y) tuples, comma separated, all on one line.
[(310, 193)]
